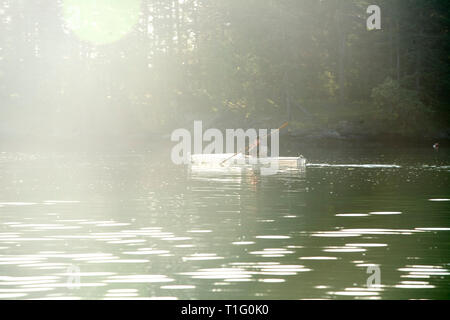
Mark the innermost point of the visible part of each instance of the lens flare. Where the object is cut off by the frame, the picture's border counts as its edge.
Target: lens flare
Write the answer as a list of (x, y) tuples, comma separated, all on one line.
[(101, 21)]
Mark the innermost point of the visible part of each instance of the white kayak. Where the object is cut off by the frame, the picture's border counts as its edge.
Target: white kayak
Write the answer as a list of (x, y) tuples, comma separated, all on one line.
[(233, 160)]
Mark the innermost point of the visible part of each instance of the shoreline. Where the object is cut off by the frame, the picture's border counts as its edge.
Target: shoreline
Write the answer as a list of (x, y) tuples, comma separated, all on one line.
[(150, 142)]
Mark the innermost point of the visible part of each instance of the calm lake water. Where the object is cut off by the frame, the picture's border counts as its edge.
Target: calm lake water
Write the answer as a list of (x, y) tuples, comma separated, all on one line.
[(91, 226)]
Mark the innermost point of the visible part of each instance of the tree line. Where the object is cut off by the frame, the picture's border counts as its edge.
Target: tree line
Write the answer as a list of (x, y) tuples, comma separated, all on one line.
[(239, 63)]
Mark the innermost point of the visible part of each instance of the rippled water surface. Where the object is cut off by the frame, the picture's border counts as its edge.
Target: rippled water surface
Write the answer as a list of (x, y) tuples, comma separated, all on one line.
[(135, 226)]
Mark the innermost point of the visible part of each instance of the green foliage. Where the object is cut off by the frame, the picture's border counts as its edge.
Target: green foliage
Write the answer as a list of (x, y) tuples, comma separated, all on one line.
[(399, 108)]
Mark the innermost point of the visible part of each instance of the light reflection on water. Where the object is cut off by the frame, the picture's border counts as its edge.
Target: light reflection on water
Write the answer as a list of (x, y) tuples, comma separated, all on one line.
[(139, 228)]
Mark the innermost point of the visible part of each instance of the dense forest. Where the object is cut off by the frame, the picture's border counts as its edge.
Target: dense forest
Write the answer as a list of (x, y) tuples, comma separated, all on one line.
[(142, 68)]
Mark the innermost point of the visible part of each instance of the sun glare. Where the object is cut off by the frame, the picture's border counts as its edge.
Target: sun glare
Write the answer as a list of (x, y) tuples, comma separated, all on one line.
[(101, 21)]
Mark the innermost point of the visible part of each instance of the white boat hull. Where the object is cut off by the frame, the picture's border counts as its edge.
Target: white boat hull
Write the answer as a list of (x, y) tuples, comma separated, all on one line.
[(230, 160)]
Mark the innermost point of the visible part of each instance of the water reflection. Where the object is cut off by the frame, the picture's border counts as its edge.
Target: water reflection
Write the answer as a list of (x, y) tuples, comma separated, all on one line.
[(138, 228)]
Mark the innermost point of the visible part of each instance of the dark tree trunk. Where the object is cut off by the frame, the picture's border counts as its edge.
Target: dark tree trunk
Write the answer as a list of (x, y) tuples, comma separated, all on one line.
[(341, 38), (398, 52)]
